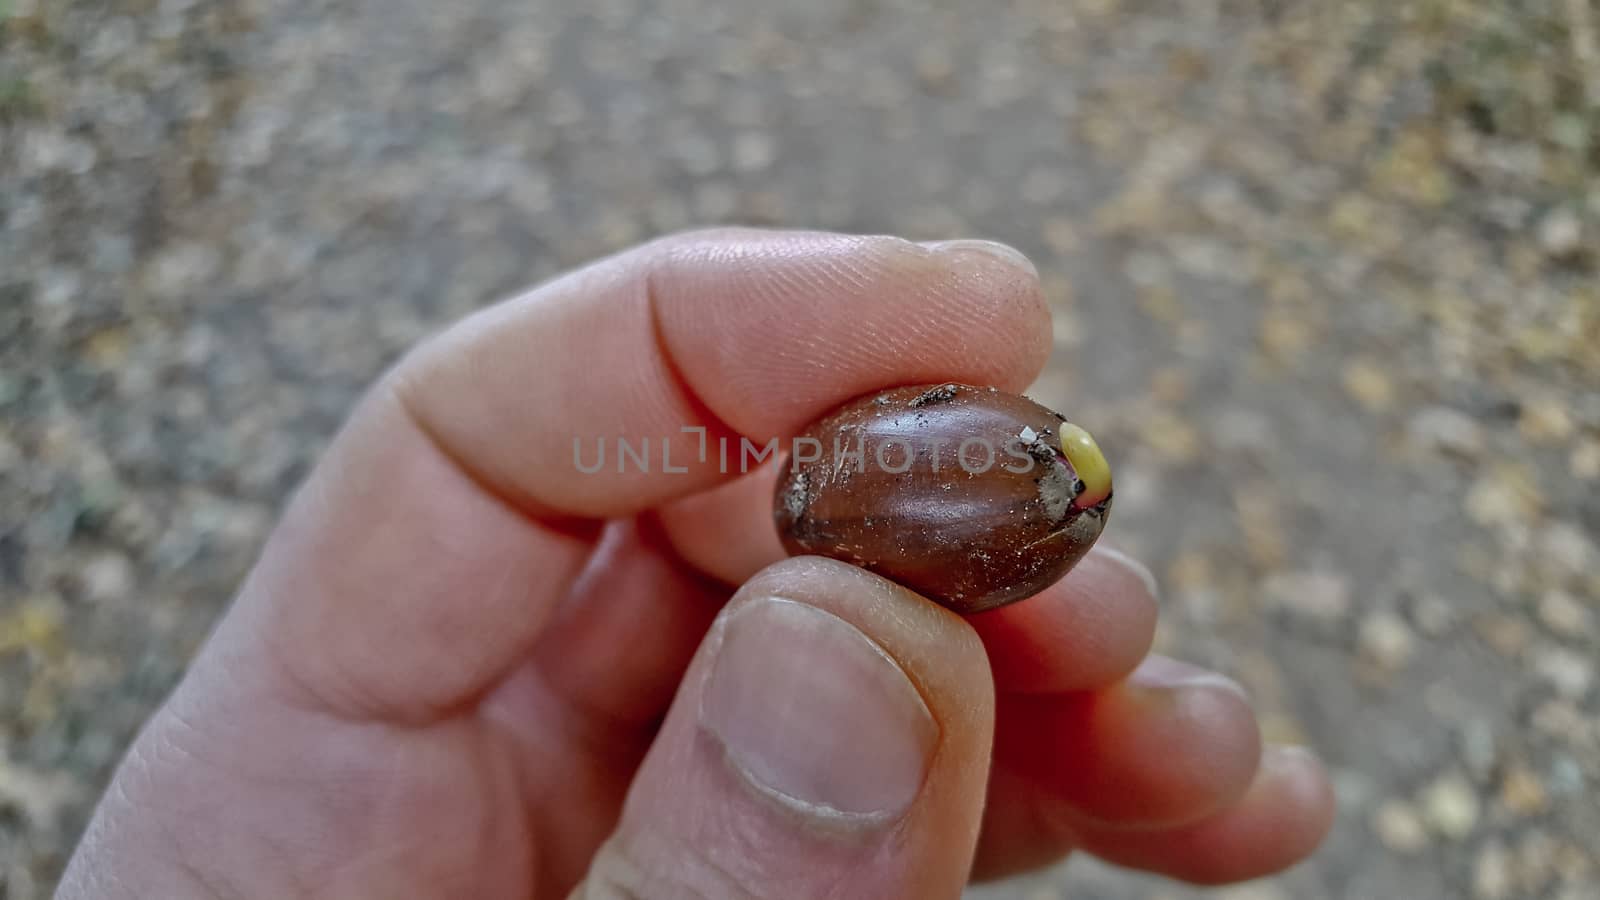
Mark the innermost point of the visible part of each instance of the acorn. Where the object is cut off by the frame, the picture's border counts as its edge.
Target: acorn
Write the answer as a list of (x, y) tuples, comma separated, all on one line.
[(971, 496)]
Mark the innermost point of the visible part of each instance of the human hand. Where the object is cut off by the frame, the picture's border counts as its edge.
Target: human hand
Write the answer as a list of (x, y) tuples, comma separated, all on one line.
[(463, 669)]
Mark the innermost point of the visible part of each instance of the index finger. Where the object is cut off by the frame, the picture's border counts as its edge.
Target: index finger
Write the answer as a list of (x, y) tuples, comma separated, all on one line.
[(742, 333), (425, 554)]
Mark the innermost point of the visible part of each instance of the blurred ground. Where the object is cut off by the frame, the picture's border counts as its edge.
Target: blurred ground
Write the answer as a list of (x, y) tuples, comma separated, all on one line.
[(1325, 289)]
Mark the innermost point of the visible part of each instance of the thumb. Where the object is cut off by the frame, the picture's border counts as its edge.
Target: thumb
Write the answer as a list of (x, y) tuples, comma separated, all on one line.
[(831, 738)]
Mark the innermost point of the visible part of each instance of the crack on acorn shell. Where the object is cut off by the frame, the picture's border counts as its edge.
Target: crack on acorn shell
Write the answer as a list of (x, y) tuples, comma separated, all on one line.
[(944, 393)]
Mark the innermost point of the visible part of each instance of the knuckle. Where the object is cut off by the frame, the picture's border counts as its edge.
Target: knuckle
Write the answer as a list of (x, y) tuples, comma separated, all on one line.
[(658, 868)]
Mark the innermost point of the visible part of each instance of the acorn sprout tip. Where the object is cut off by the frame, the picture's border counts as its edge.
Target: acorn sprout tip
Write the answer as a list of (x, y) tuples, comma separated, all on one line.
[(1090, 464)]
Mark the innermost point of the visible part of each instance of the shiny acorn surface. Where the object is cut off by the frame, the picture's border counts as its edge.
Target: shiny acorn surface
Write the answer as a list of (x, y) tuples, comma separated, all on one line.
[(968, 495)]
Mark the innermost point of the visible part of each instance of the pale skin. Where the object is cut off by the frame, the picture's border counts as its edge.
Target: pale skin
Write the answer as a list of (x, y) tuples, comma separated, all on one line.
[(461, 670)]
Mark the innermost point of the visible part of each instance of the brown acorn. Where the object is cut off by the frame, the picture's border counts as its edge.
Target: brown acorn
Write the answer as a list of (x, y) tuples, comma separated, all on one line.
[(970, 496)]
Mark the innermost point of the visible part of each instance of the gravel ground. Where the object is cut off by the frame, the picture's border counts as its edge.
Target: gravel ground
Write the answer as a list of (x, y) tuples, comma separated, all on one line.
[(1325, 281)]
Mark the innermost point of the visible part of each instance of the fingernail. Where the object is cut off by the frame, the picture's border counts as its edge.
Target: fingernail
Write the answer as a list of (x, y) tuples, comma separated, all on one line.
[(812, 712), (1011, 256), (1163, 673), (1117, 557), (1292, 760), (1294, 774)]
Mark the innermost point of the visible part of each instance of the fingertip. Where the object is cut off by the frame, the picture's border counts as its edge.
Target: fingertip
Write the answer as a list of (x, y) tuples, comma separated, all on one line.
[(1009, 258), (1293, 777), (1084, 632), (1282, 819), (833, 725), (858, 312), (813, 712), (1115, 556), (1010, 281), (1170, 746), (1198, 749)]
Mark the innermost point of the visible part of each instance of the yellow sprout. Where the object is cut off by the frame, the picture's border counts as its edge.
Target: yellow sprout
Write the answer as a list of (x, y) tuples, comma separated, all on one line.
[(1085, 456)]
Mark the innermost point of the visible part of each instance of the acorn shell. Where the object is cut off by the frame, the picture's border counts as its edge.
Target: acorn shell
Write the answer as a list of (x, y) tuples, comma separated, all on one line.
[(897, 482)]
